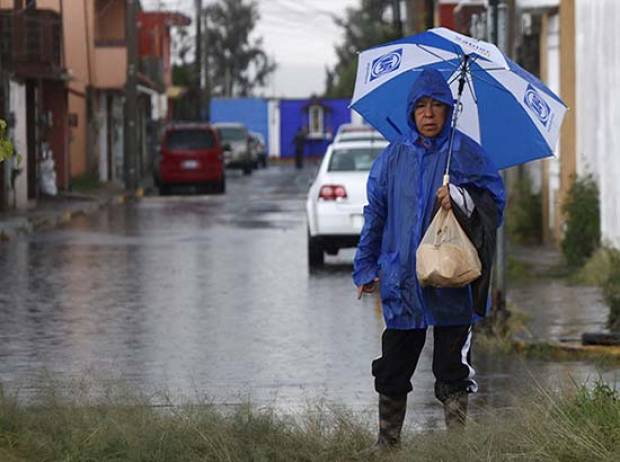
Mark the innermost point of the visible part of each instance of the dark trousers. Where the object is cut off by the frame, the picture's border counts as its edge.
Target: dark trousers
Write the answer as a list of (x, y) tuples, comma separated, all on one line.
[(400, 353), (299, 158)]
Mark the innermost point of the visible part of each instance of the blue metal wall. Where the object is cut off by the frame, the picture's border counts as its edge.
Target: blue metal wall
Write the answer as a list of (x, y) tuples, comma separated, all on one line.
[(294, 114), (253, 112)]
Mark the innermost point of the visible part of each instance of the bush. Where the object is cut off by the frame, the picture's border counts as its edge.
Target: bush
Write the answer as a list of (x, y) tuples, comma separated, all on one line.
[(611, 290), (595, 271), (603, 270), (6, 147), (583, 233), (524, 213)]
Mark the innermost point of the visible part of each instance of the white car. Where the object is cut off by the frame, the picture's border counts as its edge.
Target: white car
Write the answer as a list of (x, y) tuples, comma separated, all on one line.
[(336, 199), (365, 135), (351, 132)]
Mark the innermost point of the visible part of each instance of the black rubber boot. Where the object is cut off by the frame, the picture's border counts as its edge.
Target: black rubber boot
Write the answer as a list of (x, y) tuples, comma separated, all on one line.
[(455, 410), (391, 416)]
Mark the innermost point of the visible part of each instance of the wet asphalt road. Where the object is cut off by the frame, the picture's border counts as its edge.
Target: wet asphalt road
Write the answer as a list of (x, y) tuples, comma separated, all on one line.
[(211, 296)]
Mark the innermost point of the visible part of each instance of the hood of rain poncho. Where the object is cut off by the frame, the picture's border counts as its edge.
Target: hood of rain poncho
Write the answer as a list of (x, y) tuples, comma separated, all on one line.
[(397, 215)]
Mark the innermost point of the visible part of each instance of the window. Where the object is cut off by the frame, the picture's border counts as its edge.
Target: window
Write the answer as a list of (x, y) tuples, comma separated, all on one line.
[(190, 139), (109, 23), (354, 159), (315, 116), (233, 133)]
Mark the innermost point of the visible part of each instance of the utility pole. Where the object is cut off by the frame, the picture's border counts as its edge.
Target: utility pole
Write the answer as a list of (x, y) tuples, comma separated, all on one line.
[(429, 14), (205, 78), (198, 60), (498, 34), (398, 24), (131, 98)]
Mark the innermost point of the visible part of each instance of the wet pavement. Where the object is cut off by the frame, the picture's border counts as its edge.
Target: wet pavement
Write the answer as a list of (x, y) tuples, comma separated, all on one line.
[(212, 296), (555, 309)]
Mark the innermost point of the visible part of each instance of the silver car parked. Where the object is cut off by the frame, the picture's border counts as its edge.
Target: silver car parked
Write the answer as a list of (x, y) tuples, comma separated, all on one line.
[(236, 142)]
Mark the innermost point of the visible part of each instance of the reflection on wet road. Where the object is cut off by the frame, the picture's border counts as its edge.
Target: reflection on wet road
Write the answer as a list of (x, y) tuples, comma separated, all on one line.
[(211, 295)]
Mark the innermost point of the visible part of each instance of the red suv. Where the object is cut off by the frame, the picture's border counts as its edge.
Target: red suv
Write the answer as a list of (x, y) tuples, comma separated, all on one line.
[(190, 154)]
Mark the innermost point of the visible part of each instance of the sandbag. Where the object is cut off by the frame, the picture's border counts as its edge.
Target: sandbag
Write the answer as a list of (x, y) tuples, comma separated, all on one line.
[(446, 257)]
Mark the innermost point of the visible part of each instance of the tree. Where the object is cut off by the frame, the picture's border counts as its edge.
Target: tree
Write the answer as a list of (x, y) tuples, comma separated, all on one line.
[(6, 147), (235, 63), (364, 27)]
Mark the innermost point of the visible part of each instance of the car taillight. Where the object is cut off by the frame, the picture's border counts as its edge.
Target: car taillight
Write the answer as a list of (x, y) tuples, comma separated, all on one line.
[(332, 192)]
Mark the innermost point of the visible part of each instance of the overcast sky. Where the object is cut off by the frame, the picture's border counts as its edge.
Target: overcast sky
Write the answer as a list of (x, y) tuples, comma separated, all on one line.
[(299, 34)]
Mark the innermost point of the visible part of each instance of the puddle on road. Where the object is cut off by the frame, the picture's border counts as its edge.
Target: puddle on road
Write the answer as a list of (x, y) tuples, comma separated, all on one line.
[(167, 299)]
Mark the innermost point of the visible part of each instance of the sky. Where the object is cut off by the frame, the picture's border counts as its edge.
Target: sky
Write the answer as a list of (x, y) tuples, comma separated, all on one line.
[(299, 34)]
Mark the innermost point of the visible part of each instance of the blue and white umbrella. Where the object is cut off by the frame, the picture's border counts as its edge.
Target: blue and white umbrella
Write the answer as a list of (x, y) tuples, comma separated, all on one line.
[(511, 113)]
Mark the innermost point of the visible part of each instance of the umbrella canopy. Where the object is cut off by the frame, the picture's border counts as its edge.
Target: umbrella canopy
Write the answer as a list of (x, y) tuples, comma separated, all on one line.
[(511, 113)]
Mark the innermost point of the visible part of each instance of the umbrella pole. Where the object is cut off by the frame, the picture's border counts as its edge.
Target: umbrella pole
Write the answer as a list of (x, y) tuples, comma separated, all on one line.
[(455, 116)]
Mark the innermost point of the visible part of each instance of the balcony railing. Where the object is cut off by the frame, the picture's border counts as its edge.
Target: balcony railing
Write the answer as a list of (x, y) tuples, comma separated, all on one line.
[(31, 43)]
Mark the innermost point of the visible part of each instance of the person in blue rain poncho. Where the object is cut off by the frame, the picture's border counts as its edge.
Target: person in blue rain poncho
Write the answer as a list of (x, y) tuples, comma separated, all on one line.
[(404, 191)]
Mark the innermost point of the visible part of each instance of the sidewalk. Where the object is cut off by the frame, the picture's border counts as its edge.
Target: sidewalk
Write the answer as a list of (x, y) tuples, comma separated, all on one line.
[(557, 312), (52, 211)]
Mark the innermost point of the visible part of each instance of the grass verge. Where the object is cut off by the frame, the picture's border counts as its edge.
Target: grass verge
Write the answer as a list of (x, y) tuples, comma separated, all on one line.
[(576, 426)]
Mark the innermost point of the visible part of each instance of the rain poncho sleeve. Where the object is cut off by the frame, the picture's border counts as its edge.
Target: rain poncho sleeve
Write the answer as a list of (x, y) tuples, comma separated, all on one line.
[(369, 247)]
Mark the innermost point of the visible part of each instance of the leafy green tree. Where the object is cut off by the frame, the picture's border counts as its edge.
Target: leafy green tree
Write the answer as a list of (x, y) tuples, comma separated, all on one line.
[(235, 63), (6, 147), (363, 27), (182, 47)]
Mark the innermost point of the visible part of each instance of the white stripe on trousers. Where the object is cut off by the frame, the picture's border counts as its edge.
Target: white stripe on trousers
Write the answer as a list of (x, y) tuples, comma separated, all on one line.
[(473, 388)]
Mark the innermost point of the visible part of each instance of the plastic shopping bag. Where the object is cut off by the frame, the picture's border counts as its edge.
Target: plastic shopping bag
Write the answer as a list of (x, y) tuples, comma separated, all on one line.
[(446, 257)]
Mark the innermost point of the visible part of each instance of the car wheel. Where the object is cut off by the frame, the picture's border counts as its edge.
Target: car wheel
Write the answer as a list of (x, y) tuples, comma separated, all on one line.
[(316, 257), (164, 189)]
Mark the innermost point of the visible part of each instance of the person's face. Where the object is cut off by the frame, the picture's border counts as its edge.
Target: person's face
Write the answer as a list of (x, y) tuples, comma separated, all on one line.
[(429, 115)]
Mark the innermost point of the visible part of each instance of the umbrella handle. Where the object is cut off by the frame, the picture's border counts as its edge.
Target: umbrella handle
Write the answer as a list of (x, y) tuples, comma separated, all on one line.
[(455, 114), (446, 179)]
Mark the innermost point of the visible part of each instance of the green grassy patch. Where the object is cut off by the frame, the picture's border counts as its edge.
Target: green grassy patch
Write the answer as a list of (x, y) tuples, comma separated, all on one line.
[(595, 271), (573, 426)]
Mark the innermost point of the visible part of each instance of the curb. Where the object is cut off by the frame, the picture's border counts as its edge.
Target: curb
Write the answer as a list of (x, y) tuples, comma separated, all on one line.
[(567, 351), (13, 227)]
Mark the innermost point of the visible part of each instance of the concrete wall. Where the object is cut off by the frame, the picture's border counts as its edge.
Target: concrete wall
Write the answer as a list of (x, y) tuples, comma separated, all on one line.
[(550, 72), (597, 111), (110, 67), (101, 67), (294, 114), (79, 65), (19, 196), (274, 128)]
